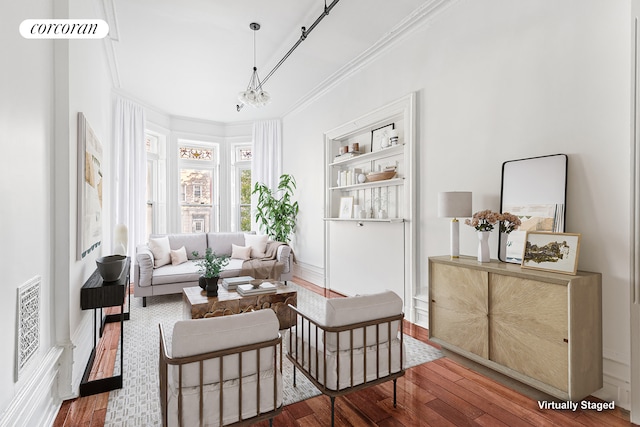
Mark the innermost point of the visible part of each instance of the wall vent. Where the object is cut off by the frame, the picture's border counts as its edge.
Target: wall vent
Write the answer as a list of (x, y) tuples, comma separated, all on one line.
[(28, 323)]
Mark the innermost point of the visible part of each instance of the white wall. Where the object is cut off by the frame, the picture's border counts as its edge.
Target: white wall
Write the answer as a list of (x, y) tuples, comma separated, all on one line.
[(26, 139), (499, 80)]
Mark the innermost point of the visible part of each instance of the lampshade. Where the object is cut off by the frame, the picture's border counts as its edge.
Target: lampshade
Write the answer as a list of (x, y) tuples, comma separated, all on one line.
[(454, 204)]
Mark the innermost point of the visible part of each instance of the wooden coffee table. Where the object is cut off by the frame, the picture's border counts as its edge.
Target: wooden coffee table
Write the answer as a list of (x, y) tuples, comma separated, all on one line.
[(198, 306)]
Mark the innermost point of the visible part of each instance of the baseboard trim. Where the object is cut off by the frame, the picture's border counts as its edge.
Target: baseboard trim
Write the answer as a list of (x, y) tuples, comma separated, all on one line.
[(82, 341), (36, 403), (310, 273)]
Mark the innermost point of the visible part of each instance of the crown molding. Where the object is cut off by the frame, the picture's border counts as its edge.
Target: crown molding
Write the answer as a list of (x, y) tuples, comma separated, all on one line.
[(413, 22), (108, 12)]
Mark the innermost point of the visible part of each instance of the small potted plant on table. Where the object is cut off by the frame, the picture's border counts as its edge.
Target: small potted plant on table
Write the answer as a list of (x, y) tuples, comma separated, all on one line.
[(210, 267)]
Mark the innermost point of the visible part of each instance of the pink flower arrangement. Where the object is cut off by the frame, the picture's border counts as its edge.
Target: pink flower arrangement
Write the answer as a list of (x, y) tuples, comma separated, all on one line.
[(483, 220), (509, 222)]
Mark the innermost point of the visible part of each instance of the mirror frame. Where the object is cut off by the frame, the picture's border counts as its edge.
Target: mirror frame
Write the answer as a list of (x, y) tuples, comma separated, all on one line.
[(533, 181)]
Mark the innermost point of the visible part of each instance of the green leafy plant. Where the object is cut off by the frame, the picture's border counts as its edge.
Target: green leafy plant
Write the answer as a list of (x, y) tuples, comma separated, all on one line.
[(211, 265), (275, 211)]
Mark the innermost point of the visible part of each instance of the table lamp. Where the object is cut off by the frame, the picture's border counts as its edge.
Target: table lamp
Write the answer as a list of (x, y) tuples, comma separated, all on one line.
[(454, 204)]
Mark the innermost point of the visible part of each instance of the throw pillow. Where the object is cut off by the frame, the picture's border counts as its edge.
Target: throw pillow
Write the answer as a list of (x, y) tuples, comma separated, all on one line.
[(179, 256), (240, 252), (161, 251), (258, 244)]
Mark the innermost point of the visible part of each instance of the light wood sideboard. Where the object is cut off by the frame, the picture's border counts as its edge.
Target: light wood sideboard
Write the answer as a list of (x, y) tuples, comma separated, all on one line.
[(543, 329)]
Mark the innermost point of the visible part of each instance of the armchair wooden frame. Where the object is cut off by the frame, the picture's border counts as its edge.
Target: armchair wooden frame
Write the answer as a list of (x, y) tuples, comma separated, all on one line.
[(166, 361), (298, 359)]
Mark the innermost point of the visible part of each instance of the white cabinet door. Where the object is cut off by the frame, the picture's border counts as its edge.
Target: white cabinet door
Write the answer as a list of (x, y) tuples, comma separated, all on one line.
[(366, 259)]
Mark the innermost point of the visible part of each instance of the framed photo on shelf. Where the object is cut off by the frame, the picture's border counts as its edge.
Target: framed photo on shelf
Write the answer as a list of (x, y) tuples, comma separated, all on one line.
[(557, 252), (380, 137), (346, 207)]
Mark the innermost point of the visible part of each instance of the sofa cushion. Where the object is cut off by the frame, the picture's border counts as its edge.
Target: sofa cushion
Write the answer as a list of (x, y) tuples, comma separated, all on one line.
[(191, 241), (178, 256), (258, 244), (240, 252), (347, 311), (161, 251), (185, 272), (220, 243)]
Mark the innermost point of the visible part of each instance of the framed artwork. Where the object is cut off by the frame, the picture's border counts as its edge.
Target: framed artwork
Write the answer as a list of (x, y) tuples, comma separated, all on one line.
[(380, 137), (90, 179), (346, 207), (557, 252)]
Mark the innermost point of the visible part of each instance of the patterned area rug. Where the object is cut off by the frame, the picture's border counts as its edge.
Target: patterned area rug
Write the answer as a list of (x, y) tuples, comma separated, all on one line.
[(138, 403)]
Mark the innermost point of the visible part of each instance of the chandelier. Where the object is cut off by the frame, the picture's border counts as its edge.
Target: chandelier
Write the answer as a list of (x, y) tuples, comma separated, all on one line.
[(254, 95)]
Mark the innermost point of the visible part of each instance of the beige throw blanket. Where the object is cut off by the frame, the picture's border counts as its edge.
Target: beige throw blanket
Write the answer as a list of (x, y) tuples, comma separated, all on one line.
[(266, 267)]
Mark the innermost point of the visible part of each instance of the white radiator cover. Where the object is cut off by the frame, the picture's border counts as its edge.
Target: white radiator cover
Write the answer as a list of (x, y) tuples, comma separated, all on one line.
[(28, 325)]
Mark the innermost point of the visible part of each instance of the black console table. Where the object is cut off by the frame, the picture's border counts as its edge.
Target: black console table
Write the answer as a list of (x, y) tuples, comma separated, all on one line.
[(97, 294)]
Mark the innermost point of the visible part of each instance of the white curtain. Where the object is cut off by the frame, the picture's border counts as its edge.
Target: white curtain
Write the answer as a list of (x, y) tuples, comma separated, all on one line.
[(130, 171), (266, 165)]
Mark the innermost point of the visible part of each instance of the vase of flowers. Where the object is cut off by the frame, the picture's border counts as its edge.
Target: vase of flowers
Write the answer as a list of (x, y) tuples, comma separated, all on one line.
[(483, 222), (508, 223)]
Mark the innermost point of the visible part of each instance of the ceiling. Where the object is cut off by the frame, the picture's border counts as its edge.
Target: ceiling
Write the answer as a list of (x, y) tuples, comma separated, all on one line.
[(190, 58)]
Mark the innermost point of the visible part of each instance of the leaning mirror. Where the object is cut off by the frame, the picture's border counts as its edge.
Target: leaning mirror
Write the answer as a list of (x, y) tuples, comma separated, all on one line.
[(535, 190)]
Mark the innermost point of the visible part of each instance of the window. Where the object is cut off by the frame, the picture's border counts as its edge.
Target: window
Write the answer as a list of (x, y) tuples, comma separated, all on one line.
[(152, 146), (198, 166), (241, 183)]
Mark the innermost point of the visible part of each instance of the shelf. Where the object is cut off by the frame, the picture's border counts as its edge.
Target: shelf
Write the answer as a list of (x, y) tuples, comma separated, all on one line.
[(374, 184), (392, 220), (367, 157)]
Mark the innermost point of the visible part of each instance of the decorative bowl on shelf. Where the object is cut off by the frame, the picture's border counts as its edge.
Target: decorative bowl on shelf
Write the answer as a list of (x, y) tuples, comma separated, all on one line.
[(110, 267), (380, 176)]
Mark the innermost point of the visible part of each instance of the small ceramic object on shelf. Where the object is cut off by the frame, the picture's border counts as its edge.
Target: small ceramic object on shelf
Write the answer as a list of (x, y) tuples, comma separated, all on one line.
[(393, 137), (362, 178), (384, 142), (382, 214)]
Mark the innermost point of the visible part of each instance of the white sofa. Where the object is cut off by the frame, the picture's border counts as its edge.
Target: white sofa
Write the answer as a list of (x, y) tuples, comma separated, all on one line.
[(202, 381), (152, 278)]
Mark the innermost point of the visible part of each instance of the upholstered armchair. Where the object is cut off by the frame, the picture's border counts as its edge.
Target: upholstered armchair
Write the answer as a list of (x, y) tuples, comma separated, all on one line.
[(356, 343), (221, 371)]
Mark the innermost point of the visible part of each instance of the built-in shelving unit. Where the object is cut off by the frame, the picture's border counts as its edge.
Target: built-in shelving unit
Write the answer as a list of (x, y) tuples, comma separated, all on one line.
[(369, 225)]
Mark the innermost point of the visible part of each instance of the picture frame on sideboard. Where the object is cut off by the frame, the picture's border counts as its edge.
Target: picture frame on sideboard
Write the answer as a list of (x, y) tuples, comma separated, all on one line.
[(556, 252)]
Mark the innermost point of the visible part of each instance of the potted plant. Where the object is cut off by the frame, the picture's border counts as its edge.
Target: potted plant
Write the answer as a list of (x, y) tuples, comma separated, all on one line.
[(275, 212), (210, 267)]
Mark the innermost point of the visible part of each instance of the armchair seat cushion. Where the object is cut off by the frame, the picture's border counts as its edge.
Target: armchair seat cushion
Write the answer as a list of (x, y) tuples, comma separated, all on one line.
[(230, 408), (377, 360)]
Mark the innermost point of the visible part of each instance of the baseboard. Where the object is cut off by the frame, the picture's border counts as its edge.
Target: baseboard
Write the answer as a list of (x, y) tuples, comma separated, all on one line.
[(82, 340), (616, 385), (310, 273), (36, 404)]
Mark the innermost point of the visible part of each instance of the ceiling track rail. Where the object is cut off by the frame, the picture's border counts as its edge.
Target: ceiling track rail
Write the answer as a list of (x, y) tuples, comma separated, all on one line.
[(303, 37)]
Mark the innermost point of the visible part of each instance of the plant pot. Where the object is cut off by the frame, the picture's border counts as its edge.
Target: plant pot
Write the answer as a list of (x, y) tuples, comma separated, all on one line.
[(212, 286), (202, 282)]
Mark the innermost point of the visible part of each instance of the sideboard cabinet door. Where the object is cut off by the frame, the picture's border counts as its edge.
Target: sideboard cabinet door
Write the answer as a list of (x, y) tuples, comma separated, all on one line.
[(458, 313), (529, 328)]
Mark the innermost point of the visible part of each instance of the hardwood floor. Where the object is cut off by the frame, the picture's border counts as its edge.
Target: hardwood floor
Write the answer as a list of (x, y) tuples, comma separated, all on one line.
[(439, 393)]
